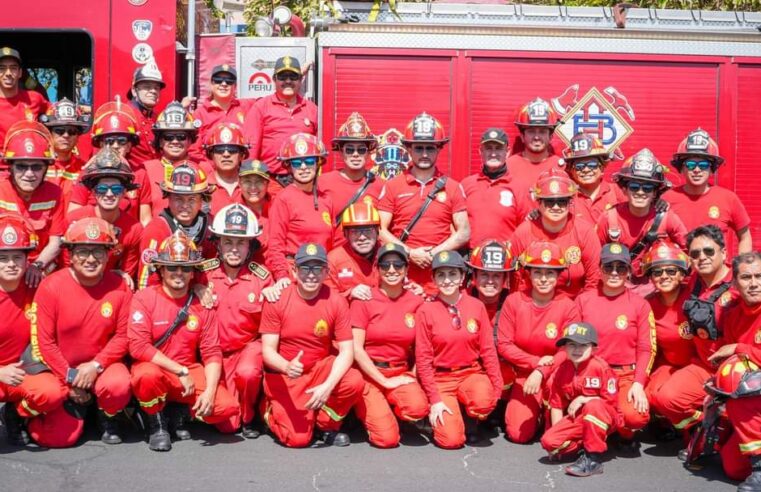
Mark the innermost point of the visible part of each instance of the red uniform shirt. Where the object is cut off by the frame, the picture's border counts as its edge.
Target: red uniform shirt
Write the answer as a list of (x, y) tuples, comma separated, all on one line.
[(270, 122), (718, 206), (440, 343), (210, 115), (626, 329), (528, 332), (743, 327), (157, 171), (125, 256), (593, 377), (144, 150), (525, 173), (44, 210), (221, 197), (672, 331), (580, 246), (706, 347), (293, 221), (152, 313), (130, 202), (66, 176), (26, 105), (341, 189), (237, 303), (309, 325), (590, 209), (495, 207), (14, 330), (347, 269), (389, 325), (77, 324)]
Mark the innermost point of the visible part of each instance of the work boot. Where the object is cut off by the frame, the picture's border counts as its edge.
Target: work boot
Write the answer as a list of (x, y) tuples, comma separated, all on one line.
[(333, 438), (472, 432), (588, 464), (249, 431), (110, 428), (14, 426), (753, 482), (178, 415), (682, 454), (158, 434)]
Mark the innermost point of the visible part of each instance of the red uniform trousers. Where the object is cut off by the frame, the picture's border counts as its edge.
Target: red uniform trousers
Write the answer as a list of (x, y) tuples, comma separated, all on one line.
[(588, 430), (633, 420), (524, 412), (508, 377), (472, 388), (58, 429), (36, 395), (153, 386), (374, 409), (745, 416), (284, 409), (242, 371), (680, 398)]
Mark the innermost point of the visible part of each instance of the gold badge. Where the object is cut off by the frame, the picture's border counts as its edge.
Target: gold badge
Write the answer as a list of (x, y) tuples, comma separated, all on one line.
[(622, 322), (409, 320), (472, 326), (441, 196), (326, 219), (546, 256), (106, 309), (662, 252), (389, 246), (444, 256), (192, 323), (321, 328), (684, 330), (714, 212), (311, 249), (615, 248), (725, 299), (757, 338), (573, 255), (367, 200), (551, 330), (554, 187), (251, 297)]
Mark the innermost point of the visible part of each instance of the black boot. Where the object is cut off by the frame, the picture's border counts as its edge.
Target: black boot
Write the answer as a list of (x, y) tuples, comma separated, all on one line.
[(178, 415), (110, 427), (14, 426), (472, 432), (588, 464), (333, 438), (158, 434), (250, 431), (753, 482)]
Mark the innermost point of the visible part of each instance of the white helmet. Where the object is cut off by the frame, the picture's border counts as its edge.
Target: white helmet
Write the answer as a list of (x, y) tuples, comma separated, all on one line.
[(236, 220)]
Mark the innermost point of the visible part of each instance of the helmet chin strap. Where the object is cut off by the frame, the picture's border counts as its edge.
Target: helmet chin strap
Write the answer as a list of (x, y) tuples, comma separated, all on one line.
[(497, 173)]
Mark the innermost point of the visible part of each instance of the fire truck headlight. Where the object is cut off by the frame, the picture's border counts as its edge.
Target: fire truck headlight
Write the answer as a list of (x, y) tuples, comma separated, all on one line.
[(282, 15), (263, 27)]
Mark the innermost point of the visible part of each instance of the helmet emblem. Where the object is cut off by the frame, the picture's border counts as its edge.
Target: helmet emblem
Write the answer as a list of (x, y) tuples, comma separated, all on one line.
[(301, 147), (546, 255), (92, 231), (226, 136), (10, 236)]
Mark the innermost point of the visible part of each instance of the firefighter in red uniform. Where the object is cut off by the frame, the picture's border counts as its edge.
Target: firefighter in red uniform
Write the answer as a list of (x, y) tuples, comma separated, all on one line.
[(585, 160), (83, 342), (28, 152), (175, 344), (533, 154), (636, 223), (529, 326), (455, 355), (66, 123), (696, 202), (583, 403), (16, 104), (144, 95), (351, 268), (384, 336), (495, 205), (300, 213), (273, 119), (221, 106), (581, 249), (304, 384), (226, 149), (109, 177), (187, 190), (114, 126), (237, 284), (254, 177), (422, 209), (354, 182), (21, 391), (626, 326)]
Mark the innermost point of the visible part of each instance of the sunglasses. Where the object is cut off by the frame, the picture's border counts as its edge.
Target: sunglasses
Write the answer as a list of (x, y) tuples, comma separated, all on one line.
[(179, 268), (707, 251), (221, 149), (101, 189), (287, 76), (305, 270), (65, 130), (703, 165), (456, 319), (618, 268), (361, 231), (351, 150), (386, 265), (223, 80), (658, 272), (84, 253), (119, 140), (428, 149), (560, 202), (305, 161), (592, 164), (635, 186), (22, 168), (171, 137)]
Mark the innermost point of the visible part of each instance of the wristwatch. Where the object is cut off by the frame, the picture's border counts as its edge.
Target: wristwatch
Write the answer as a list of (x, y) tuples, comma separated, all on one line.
[(183, 372), (39, 265), (98, 367)]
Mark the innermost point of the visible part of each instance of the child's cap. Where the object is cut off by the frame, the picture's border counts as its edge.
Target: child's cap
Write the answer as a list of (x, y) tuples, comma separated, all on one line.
[(581, 333)]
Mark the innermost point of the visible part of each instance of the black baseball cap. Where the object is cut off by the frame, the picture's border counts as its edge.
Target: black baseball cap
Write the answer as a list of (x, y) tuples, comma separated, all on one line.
[(613, 252), (494, 135), (448, 259), (311, 252), (225, 68), (287, 64), (392, 248), (578, 332), (8, 52)]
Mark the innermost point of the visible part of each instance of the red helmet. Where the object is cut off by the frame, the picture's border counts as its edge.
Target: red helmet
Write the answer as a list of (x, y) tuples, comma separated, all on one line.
[(226, 134), (301, 145), (360, 214), (65, 113), (186, 179), (643, 166), (28, 141), (355, 129), (175, 118), (16, 233), (177, 249), (697, 144), (665, 252), (554, 183), (90, 230), (424, 128), (493, 256), (543, 254), (584, 146), (107, 163), (537, 113), (732, 373), (114, 118)]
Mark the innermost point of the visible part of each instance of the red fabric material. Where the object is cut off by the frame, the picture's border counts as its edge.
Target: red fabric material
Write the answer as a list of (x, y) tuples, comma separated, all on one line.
[(243, 371), (210, 115), (347, 269), (719, 206), (524, 412), (525, 173), (743, 327), (130, 203), (216, 49), (745, 415), (633, 420), (144, 150), (340, 190), (65, 175), (37, 394), (590, 209), (672, 331), (26, 105), (572, 434), (680, 398), (14, 330), (221, 197)]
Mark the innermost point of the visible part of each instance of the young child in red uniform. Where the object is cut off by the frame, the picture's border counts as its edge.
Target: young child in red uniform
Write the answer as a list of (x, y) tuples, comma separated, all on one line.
[(583, 403)]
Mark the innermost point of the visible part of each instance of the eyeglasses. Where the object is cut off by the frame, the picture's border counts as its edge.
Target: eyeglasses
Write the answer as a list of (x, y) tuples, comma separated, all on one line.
[(117, 139), (617, 268), (635, 186), (658, 272), (84, 253), (287, 76), (221, 149), (116, 188), (65, 130), (223, 80), (179, 268), (428, 149), (361, 231), (305, 270), (703, 165), (708, 251), (22, 168), (386, 265), (590, 164), (351, 150), (456, 319), (171, 137), (305, 161), (551, 202)]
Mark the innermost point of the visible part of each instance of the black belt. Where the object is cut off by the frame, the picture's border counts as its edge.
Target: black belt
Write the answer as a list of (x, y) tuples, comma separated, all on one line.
[(389, 365), (625, 367)]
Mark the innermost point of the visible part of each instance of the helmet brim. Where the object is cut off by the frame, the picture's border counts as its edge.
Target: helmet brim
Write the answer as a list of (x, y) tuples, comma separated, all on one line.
[(338, 141), (412, 142), (677, 159)]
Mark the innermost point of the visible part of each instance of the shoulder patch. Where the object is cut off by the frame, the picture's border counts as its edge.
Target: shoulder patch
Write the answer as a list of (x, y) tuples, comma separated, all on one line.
[(208, 265), (258, 270)]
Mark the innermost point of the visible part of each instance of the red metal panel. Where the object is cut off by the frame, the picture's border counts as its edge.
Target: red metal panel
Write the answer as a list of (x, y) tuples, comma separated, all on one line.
[(748, 147)]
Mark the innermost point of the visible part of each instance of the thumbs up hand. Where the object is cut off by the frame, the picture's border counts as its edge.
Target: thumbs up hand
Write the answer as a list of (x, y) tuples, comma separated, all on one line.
[(295, 368)]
